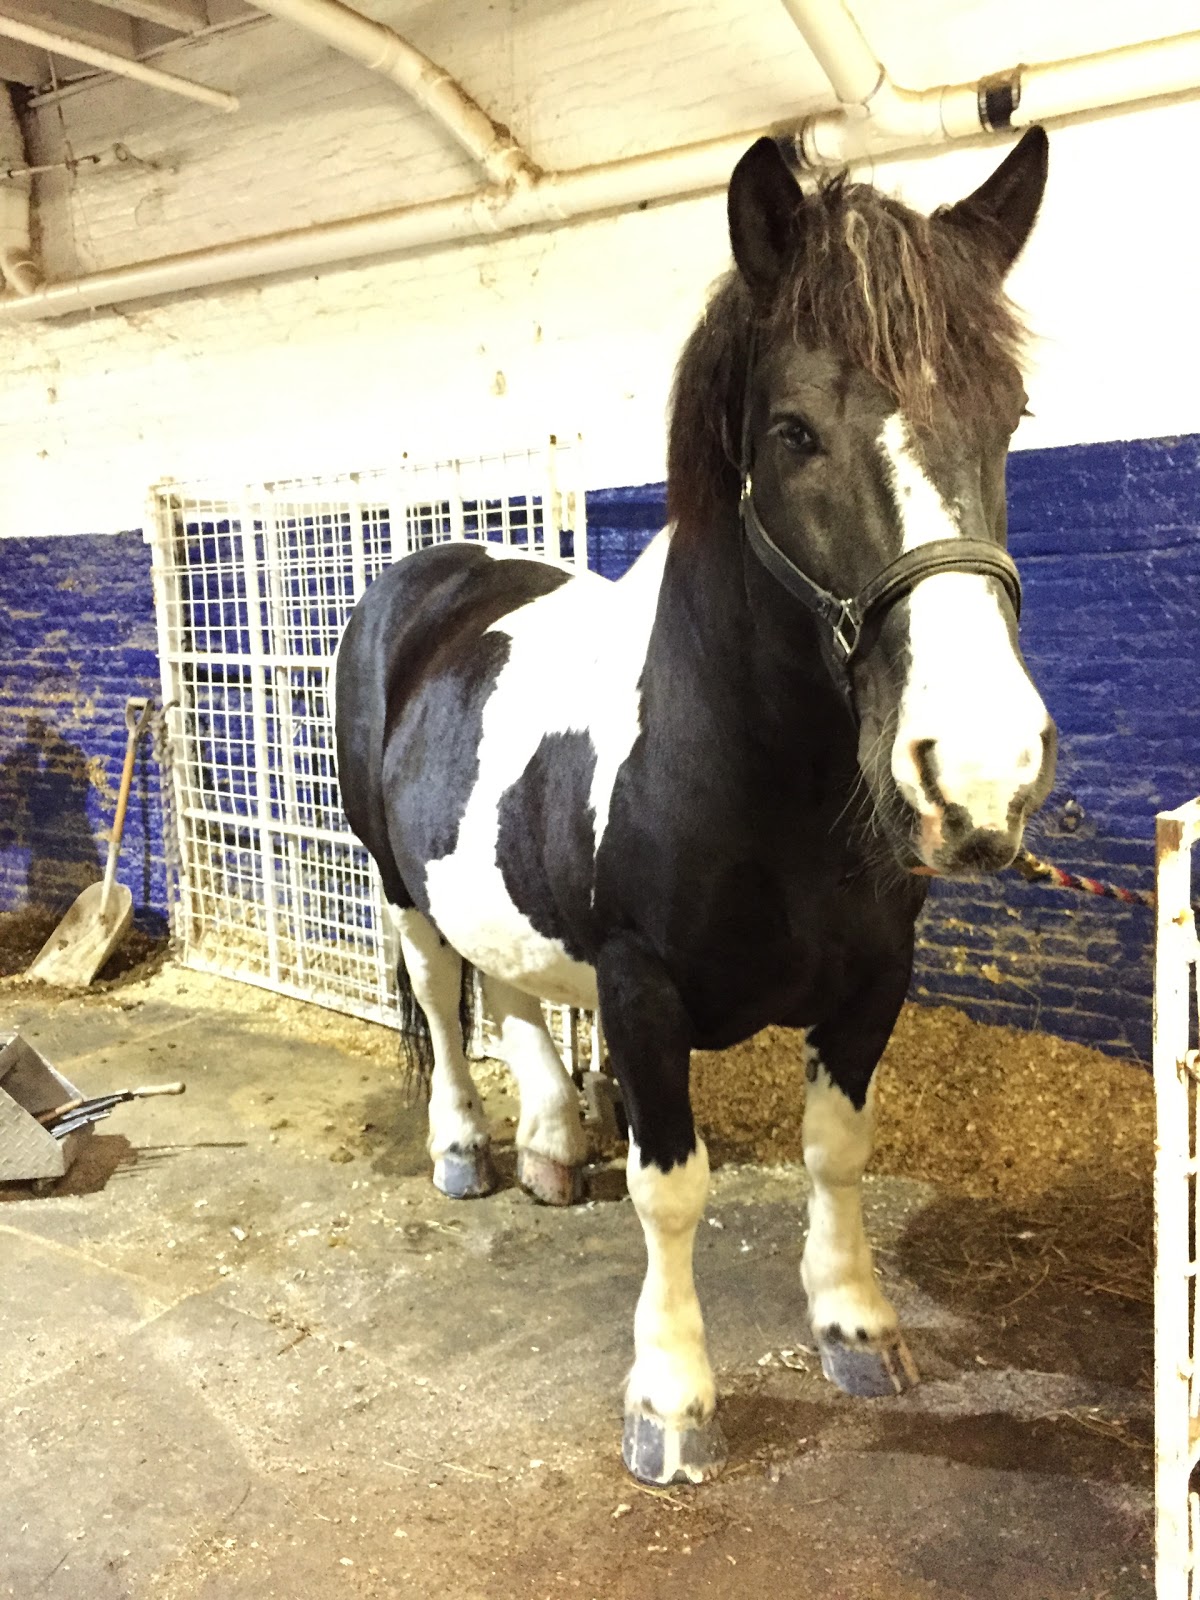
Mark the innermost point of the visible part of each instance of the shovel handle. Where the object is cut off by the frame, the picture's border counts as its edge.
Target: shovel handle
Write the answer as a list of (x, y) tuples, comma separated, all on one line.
[(137, 715)]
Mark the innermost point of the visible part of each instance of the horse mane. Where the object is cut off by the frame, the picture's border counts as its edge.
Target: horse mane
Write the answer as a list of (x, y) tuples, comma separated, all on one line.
[(915, 301)]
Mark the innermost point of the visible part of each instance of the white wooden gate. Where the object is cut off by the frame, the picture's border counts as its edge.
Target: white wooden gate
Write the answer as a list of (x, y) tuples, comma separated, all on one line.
[(1176, 1211), (252, 589)]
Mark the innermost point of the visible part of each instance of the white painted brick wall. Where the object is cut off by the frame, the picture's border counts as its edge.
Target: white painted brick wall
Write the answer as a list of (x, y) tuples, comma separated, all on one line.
[(346, 368)]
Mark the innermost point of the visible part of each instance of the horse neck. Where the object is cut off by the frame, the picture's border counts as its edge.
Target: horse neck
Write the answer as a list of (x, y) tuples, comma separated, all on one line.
[(731, 649)]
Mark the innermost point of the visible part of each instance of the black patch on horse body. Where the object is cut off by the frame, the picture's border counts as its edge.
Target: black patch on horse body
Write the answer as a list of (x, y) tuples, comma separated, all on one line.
[(547, 842), (432, 759)]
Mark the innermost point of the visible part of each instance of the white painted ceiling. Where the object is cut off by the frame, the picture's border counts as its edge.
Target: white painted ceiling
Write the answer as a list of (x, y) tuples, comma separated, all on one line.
[(134, 29), (925, 42), (921, 42)]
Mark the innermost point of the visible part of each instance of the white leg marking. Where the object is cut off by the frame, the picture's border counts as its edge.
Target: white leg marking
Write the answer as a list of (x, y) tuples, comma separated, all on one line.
[(549, 1124), (671, 1377), (456, 1119), (837, 1271)]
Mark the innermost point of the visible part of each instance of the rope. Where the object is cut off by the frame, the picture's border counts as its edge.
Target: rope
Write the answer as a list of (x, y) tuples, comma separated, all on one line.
[(1035, 870)]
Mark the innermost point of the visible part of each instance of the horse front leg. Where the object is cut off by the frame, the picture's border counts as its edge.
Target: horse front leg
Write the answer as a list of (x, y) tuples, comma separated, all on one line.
[(855, 1325), (671, 1432)]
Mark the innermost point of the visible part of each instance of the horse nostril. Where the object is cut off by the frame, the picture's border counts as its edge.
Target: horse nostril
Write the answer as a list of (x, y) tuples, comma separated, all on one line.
[(921, 753)]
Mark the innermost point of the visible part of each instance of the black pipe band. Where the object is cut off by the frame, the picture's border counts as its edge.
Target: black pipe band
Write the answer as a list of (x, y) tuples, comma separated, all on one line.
[(997, 102)]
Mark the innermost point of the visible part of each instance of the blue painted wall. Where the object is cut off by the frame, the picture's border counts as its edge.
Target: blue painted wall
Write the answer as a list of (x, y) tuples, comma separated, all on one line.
[(77, 639), (1108, 538)]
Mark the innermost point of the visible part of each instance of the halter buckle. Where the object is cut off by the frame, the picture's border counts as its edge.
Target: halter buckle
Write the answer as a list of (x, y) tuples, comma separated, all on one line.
[(847, 629)]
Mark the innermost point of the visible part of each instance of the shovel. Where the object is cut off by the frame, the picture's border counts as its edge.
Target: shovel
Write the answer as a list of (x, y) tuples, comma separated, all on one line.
[(95, 925)]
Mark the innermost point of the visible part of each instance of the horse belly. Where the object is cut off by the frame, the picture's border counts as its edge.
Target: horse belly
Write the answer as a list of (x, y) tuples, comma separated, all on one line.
[(475, 913)]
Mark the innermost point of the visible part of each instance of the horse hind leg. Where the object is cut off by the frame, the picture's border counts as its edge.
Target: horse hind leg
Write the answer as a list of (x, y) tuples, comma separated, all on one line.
[(551, 1147), (458, 1132)]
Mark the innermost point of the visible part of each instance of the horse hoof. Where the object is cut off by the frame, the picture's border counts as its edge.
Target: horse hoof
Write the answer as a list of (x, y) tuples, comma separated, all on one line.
[(659, 1454), (549, 1181), (868, 1369), (465, 1174)]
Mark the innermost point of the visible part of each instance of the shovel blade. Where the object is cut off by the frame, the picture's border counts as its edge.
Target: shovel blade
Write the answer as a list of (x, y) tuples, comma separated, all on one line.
[(85, 938)]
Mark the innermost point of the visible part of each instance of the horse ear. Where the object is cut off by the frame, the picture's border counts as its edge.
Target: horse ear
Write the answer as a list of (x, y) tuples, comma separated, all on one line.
[(764, 217), (1004, 208)]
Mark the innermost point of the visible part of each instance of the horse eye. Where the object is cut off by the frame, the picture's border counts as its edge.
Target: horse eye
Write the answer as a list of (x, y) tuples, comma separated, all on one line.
[(796, 436)]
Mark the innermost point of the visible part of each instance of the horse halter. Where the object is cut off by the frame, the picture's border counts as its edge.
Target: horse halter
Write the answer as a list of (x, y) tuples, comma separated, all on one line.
[(842, 622)]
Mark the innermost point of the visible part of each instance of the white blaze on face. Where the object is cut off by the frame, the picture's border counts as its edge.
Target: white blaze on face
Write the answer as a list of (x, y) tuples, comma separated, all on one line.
[(967, 691)]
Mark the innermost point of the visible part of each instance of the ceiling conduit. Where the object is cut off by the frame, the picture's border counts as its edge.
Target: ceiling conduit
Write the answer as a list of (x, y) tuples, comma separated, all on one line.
[(376, 46), (17, 262), (556, 197), (878, 118), (122, 66)]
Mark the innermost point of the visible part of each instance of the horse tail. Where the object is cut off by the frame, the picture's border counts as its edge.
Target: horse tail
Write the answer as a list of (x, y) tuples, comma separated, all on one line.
[(416, 1039)]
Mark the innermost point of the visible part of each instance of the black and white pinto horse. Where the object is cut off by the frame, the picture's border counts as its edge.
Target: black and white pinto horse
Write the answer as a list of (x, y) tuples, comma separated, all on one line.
[(703, 798)]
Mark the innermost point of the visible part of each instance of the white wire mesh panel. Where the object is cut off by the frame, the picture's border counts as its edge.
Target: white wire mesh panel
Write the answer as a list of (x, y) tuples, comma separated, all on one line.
[(253, 588), (1176, 1211)]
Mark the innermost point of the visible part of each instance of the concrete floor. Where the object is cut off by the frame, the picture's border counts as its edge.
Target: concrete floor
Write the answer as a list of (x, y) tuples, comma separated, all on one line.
[(377, 1391)]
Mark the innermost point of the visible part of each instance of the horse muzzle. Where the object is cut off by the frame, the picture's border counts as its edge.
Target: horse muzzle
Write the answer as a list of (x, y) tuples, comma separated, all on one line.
[(984, 832), (957, 849)]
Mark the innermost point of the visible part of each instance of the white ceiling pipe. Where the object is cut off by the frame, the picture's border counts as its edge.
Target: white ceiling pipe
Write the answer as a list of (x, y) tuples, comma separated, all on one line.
[(842, 52), (17, 262), (1159, 69), (935, 114), (892, 120), (876, 115), (74, 50), (556, 197), (382, 50)]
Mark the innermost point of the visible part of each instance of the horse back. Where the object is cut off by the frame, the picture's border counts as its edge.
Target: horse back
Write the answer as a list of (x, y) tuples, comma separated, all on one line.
[(423, 618)]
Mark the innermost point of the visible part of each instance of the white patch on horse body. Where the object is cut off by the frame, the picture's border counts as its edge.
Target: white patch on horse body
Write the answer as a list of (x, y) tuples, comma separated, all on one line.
[(837, 1271), (456, 1116), (671, 1376), (549, 1122), (967, 691), (575, 662)]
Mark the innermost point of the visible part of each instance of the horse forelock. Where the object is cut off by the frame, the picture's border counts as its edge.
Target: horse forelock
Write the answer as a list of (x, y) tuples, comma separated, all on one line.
[(916, 302)]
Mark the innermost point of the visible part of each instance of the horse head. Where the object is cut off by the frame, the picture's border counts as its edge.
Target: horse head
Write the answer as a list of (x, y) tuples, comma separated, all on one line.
[(880, 388)]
